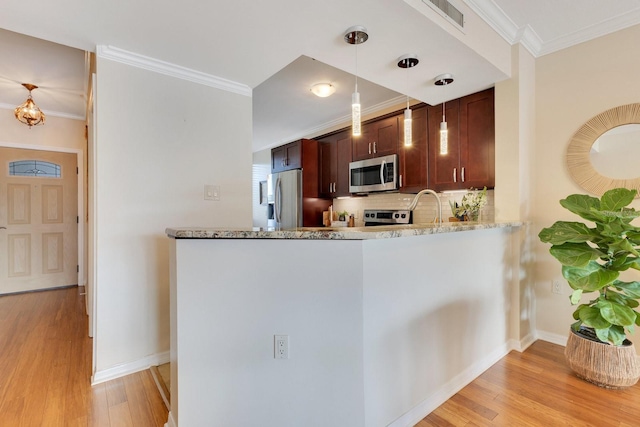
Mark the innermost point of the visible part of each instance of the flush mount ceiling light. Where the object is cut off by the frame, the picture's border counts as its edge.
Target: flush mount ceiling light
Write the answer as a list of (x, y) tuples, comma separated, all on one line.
[(408, 61), (444, 80), (323, 89), (29, 113), (356, 35)]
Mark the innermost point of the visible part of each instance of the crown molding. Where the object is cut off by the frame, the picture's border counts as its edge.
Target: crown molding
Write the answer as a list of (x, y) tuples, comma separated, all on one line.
[(497, 19), (140, 61), (598, 30)]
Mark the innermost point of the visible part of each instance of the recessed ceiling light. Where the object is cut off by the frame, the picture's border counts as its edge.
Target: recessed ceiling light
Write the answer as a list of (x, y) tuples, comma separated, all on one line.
[(323, 89)]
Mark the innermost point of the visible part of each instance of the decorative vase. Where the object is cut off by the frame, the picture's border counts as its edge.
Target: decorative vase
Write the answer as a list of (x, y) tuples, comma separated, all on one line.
[(601, 363)]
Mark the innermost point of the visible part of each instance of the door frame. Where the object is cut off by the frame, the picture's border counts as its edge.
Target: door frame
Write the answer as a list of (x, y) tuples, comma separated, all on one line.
[(81, 211)]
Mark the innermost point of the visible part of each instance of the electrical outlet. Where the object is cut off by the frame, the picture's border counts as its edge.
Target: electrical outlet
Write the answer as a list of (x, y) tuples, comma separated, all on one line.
[(556, 287), (212, 192), (281, 346)]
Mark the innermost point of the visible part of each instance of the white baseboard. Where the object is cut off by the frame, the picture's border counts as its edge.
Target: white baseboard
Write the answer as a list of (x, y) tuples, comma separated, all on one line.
[(170, 421), (552, 338), (523, 344), (129, 368), (445, 392)]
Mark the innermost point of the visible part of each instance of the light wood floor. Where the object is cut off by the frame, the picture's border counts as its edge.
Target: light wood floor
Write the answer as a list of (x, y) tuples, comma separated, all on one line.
[(45, 369), (536, 388)]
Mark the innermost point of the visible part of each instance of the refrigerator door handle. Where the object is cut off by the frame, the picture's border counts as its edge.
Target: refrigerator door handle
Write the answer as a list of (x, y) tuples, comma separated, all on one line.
[(277, 205)]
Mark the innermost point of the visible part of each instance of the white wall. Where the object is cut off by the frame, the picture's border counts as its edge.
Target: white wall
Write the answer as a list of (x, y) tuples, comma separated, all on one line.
[(57, 132), (233, 296), (261, 168), (572, 86), (159, 141)]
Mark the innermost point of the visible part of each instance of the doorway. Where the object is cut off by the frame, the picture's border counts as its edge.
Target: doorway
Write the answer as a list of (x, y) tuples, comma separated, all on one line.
[(39, 220)]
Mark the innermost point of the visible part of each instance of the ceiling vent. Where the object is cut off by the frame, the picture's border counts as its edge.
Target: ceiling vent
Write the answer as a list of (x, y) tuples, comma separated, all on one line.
[(449, 10)]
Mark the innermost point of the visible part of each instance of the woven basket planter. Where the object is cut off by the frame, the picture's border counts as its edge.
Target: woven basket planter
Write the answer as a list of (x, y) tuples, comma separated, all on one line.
[(602, 364)]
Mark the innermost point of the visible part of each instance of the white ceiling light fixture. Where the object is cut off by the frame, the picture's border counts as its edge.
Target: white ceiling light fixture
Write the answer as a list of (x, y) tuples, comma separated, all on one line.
[(356, 35), (323, 90), (29, 113), (443, 80), (408, 61)]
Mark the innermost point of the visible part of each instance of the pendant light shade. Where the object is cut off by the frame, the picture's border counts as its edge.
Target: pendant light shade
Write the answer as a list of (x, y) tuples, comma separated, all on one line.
[(443, 80), (408, 61), (356, 35), (29, 113)]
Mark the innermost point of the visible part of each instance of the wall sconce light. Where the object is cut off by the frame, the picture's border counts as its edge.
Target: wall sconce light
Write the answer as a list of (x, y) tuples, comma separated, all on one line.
[(356, 35), (408, 61), (29, 113), (323, 89), (443, 80)]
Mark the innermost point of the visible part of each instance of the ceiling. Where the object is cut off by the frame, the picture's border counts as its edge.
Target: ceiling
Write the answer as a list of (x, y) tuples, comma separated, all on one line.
[(280, 48)]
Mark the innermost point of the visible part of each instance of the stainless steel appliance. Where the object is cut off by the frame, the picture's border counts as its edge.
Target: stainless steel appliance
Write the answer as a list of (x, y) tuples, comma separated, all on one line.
[(377, 174), (387, 217), (284, 198)]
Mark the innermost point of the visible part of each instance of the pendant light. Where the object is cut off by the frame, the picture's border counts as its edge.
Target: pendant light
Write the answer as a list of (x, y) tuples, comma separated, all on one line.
[(408, 61), (443, 80), (29, 113), (356, 35)]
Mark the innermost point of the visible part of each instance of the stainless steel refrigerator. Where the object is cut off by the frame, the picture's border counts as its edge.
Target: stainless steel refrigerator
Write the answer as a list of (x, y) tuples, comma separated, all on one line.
[(284, 197)]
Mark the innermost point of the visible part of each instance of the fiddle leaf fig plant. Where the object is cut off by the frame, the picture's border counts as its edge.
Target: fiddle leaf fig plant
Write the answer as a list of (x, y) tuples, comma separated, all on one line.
[(592, 259)]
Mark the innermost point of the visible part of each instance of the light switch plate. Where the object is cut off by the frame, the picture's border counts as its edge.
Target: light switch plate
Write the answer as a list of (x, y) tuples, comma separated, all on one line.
[(212, 192)]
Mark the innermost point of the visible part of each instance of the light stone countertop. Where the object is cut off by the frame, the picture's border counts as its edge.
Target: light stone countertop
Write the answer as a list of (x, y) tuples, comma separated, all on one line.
[(336, 233)]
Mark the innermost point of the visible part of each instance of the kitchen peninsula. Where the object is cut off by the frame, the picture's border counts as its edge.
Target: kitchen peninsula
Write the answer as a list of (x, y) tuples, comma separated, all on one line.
[(383, 323)]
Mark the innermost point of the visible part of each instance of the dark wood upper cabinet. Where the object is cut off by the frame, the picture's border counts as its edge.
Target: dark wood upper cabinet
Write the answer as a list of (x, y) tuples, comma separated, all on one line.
[(470, 160), (335, 158), (287, 157), (413, 159), (379, 138)]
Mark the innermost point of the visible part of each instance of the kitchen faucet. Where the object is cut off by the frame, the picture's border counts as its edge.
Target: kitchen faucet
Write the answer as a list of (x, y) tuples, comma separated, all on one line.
[(414, 203)]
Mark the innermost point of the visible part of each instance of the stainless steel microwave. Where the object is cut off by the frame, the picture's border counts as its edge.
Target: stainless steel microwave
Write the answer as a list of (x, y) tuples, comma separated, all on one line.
[(377, 174)]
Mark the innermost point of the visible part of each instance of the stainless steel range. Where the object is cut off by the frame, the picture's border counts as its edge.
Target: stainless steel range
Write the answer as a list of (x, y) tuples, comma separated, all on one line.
[(387, 217)]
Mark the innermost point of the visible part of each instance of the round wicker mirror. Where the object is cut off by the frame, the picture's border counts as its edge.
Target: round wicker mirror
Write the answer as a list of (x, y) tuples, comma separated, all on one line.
[(578, 152)]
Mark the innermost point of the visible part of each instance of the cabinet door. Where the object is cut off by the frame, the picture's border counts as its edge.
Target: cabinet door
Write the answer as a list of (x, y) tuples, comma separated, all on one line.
[(293, 155), (343, 145), (444, 169), (328, 169), (477, 140), (278, 156), (413, 159), (385, 137), (362, 145)]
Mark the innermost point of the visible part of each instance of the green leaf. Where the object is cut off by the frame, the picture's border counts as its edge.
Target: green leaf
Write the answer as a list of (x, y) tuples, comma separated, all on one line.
[(575, 296), (589, 278), (603, 334), (615, 313), (575, 254), (631, 289), (582, 205), (616, 335), (590, 316), (563, 231), (616, 199), (576, 313)]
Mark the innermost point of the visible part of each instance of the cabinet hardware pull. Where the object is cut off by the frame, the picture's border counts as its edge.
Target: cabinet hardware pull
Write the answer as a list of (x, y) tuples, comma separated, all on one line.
[(455, 173), (400, 181), (375, 148), (369, 148), (462, 174)]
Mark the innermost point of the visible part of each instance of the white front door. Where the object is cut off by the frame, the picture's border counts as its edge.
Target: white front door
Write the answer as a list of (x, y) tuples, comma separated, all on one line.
[(38, 221)]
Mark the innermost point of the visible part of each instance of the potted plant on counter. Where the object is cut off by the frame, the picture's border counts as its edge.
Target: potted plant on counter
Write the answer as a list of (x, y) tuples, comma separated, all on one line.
[(593, 259), (469, 208)]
